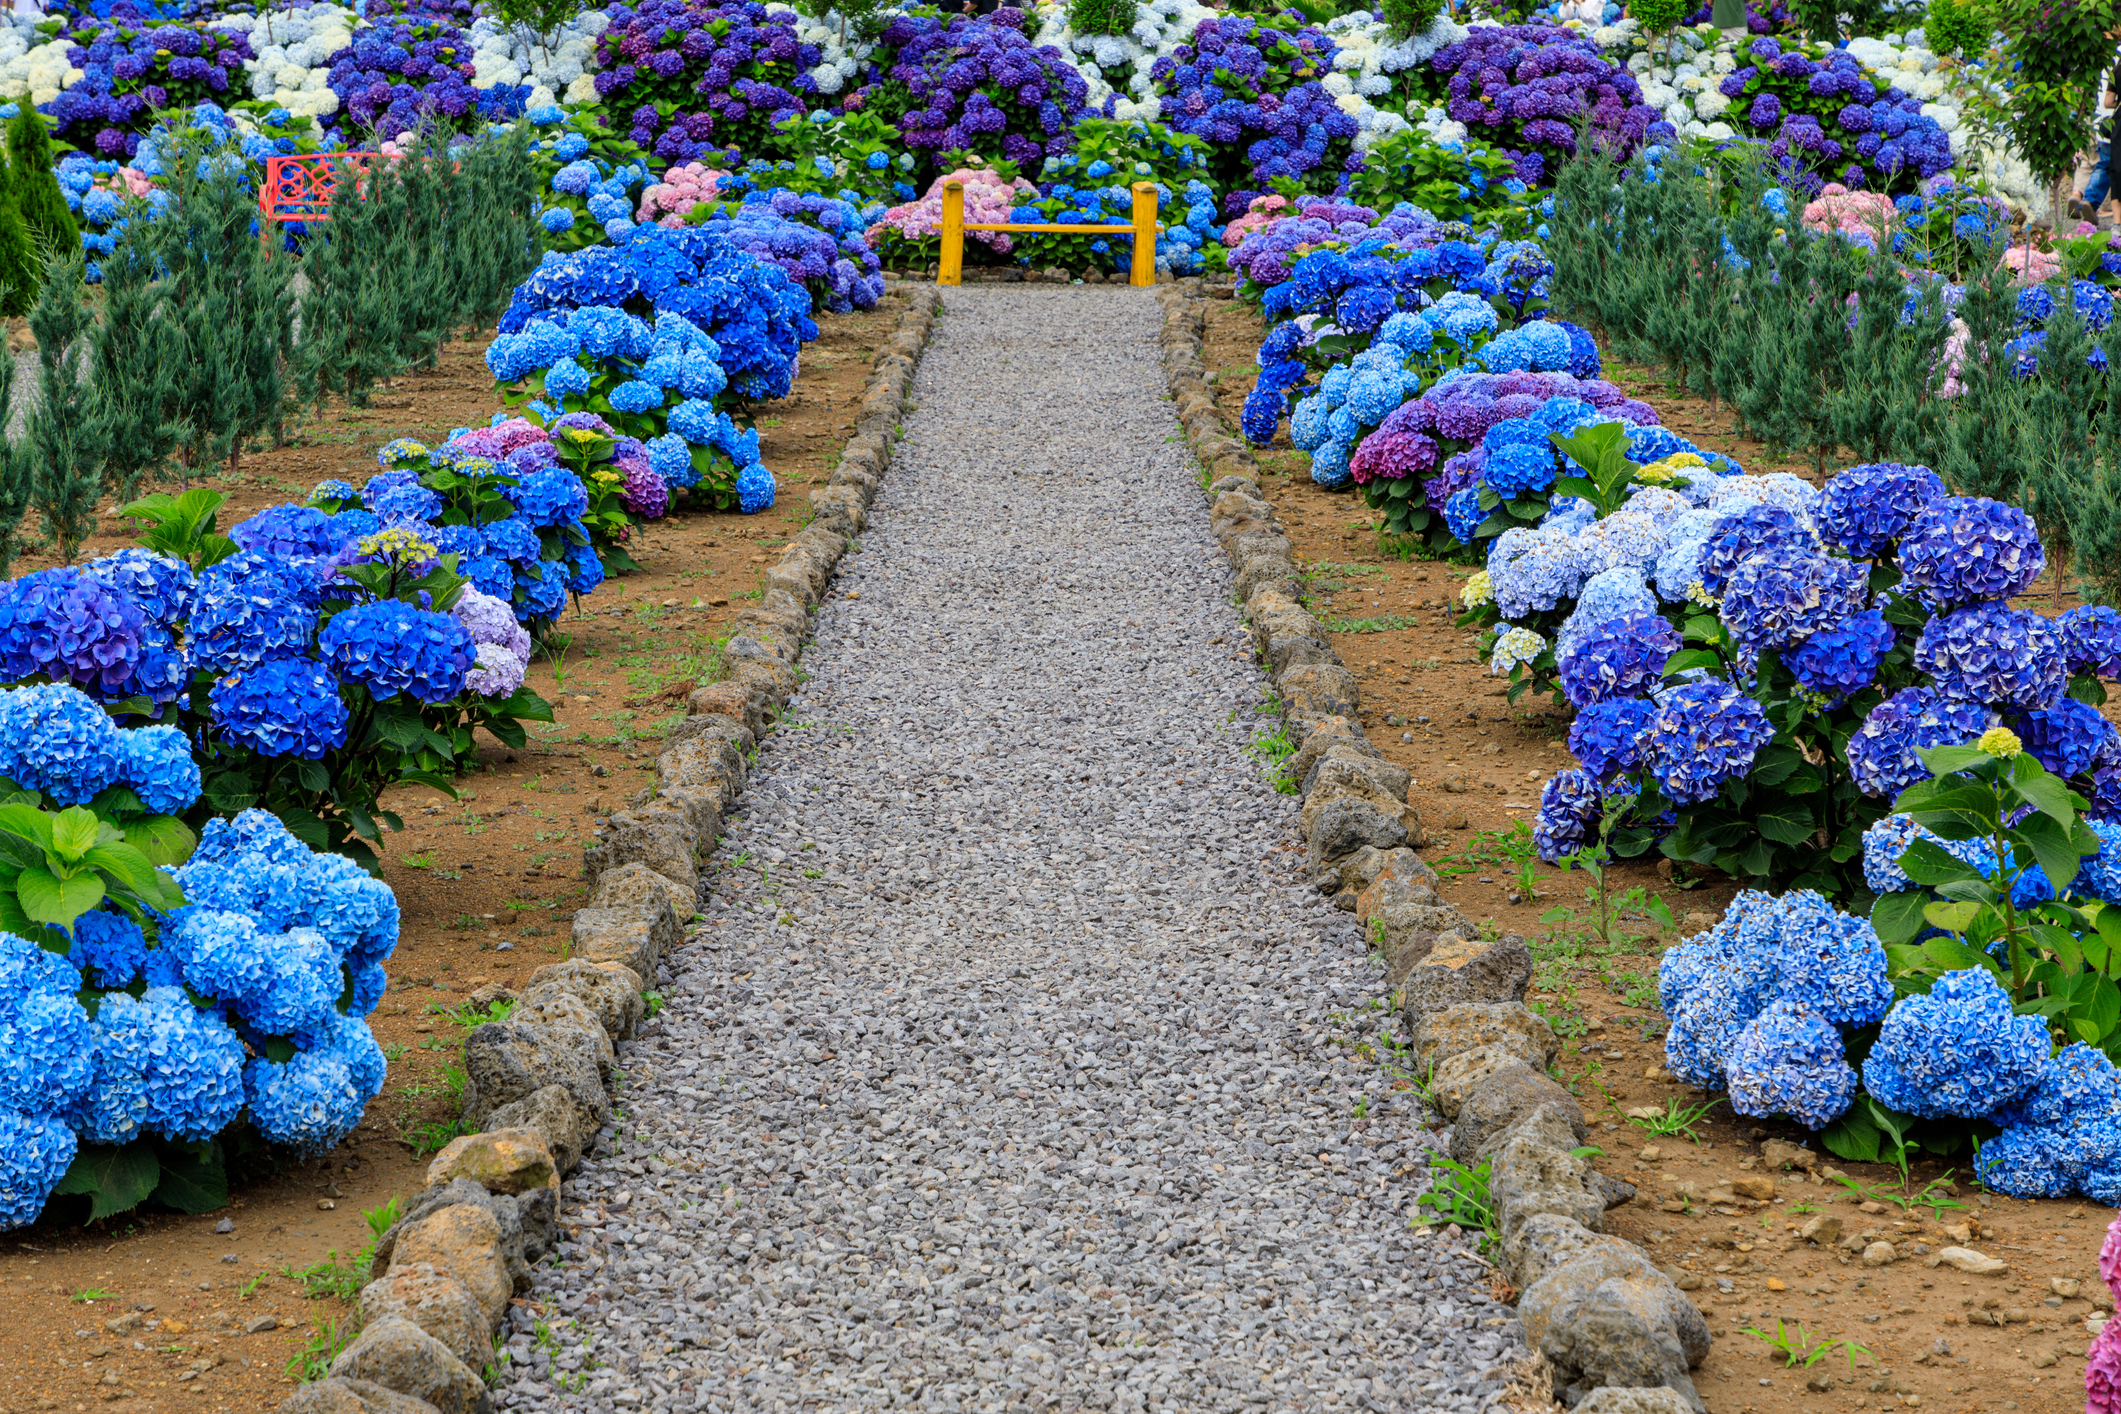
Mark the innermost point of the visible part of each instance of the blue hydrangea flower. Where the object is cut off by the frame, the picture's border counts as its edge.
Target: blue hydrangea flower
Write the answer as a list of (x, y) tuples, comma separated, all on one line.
[(1763, 529), (585, 569), (2099, 876), (2091, 640), (1968, 549), (1533, 570), (1519, 469), (55, 740), (108, 947), (1833, 963), (161, 1066), (754, 489), (1772, 601), (44, 1043), (1863, 511), (157, 763), (2068, 738), (1882, 752), (1788, 1061), (250, 607), (1623, 657), (160, 585), (281, 707), (1842, 659), (1957, 1053), (308, 1104), (1704, 733), (1571, 808), (66, 625), (542, 590), (549, 496), (670, 458), (300, 535), (347, 1040), (391, 648), (1462, 513), (1607, 737), (35, 1153), (1993, 654), (1883, 844), (2063, 1135)]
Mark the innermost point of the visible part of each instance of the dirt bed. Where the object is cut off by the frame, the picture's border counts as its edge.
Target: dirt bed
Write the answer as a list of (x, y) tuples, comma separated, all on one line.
[(157, 1311), (1478, 764)]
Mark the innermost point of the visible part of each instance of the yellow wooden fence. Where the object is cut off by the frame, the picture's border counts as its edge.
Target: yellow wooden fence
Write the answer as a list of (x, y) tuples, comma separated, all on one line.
[(1143, 230)]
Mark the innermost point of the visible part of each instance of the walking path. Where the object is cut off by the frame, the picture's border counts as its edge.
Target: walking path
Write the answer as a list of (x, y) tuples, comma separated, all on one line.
[(1004, 1075)]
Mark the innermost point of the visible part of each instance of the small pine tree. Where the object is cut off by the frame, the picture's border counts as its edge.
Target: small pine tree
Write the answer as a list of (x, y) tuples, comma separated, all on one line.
[(19, 268), (29, 151), (16, 473), (134, 365), (67, 437)]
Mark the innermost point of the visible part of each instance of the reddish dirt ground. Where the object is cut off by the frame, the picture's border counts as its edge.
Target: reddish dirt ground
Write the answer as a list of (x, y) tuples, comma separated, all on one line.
[(1478, 764), (488, 883)]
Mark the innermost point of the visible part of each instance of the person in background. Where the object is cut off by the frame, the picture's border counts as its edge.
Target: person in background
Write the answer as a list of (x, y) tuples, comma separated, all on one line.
[(2100, 183)]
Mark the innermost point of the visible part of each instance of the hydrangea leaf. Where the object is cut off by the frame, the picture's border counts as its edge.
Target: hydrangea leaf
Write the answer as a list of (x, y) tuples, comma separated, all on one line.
[(1926, 863), (1786, 824), (47, 898), (193, 1180), (29, 822), (1853, 1137), (1951, 917), (2053, 847), (115, 1179), (163, 840), (74, 832), (2040, 790)]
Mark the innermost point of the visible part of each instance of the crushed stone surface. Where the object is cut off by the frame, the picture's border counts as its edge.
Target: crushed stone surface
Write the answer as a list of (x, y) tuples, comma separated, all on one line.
[(1014, 1066)]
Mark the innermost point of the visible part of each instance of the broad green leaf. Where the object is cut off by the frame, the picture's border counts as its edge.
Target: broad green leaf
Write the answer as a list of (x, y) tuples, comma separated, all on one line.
[(1898, 917), (2053, 848), (1687, 659), (1945, 760), (46, 898), (74, 832), (193, 1181), (128, 865), (1786, 824), (1853, 1137), (163, 839), (2041, 791), (1951, 917), (2102, 1009), (1774, 763), (30, 823), (116, 1179), (1927, 864), (1942, 955)]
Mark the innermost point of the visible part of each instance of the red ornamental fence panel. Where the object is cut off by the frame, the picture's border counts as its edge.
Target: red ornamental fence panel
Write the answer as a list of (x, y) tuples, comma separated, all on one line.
[(299, 186)]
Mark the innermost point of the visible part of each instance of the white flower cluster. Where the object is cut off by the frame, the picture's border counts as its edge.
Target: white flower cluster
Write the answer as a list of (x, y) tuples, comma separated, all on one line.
[(563, 69), (1367, 58), (839, 63), (294, 49), (1679, 73), (32, 66), (1160, 26)]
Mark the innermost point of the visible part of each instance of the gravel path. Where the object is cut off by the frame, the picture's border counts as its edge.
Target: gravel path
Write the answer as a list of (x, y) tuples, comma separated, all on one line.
[(1010, 1071)]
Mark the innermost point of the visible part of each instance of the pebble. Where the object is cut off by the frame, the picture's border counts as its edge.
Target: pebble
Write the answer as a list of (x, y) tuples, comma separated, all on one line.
[(1014, 1067)]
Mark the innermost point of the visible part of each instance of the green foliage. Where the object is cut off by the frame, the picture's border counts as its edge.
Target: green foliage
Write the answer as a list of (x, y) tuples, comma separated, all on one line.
[(184, 1177), (36, 183), (67, 435), (542, 19), (20, 268), (1958, 26), (1461, 1195), (1406, 18), (56, 866), (1797, 1349), (2060, 961), (2055, 43), (1101, 16), (1449, 183), (1657, 16), (2049, 123)]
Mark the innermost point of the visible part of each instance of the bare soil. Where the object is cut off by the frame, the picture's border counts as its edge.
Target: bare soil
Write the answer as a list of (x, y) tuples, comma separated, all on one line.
[(1478, 764), (488, 884)]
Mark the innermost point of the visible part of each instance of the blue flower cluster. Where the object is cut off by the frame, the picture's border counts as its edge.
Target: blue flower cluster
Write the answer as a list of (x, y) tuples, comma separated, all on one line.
[(391, 648), (56, 741), (1960, 1052), (1704, 733), (1967, 549), (1864, 511), (1789, 1061), (1992, 654), (2061, 1136), (1621, 658), (1882, 752)]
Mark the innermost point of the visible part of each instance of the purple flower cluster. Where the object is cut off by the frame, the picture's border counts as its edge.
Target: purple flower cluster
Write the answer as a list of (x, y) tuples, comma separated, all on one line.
[(795, 232), (413, 74), (981, 85), (1842, 659), (1524, 89), (1993, 655), (685, 78), (1829, 119), (1250, 88), (1965, 549), (1623, 657), (1772, 601), (1882, 752), (63, 624), (132, 68), (1864, 511), (1453, 418), (1704, 733)]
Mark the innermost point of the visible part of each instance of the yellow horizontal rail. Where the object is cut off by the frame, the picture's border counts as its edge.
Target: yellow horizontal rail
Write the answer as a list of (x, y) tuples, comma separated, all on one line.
[(951, 259)]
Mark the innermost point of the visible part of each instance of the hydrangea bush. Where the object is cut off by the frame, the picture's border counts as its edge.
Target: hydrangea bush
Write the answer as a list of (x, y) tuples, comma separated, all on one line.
[(590, 177), (414, 73), (133, 69), (819, 242), (977, 85), (1830, 120), (688, 79), (1250, 88)]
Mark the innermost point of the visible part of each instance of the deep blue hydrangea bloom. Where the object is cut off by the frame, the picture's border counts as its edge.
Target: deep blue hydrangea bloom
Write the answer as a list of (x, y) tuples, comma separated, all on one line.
[(585, 569), (1966, 549), (1882, 752), (157, 763), (250, 607), (308, 1104), (1993, 654), (1833, 962), (1764, 529), (1957, 1053), (66, 625), (1864, 510), (1714, 989), (253, 866), (1623, 657), (44, 1035), (1462, 513), (2078, 1082), (1883, 843), (513, 540), (161, 586), (108, 947), (544, 590), (302, 535), (2063, 1135), (1842, 659), (281, 707), (1704, 734), (391, 648), (1571, 808), (162, 1066), (1519, 468), (1772, 601), (549, 496), (754, 489), (1606, 737), (2091, 640), (1788, 1061), (35, 1153), (2099, 876), (2068, 738), (55, 740)]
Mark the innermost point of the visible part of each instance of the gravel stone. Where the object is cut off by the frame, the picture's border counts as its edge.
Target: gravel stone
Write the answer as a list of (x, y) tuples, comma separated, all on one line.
[(1012, 1066)]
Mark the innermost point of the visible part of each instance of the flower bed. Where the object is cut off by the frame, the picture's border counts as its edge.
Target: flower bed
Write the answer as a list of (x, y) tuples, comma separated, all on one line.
[(1250, 89), (132, 69), (691, 78), (977, 85), (411, 74), (1831, 119), (908, 236), (817, 241)]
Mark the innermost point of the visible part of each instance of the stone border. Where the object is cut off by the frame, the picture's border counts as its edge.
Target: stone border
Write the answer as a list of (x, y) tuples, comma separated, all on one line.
[(537, 1092), (1615, 1334)]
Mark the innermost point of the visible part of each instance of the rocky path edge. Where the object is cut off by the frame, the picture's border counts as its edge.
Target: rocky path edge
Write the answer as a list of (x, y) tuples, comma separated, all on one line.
[(1610, 1331), (538, 1085)]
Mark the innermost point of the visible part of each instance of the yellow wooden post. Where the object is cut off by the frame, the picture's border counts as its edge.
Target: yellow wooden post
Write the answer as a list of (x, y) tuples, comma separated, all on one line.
[(1144, 268), (950, 263)]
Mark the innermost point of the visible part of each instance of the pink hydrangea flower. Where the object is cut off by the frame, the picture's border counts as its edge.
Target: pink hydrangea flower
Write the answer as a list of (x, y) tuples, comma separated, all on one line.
[(1839, 209), (2033, 267), (669, 201), (987, 199)]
